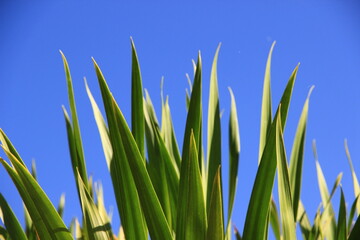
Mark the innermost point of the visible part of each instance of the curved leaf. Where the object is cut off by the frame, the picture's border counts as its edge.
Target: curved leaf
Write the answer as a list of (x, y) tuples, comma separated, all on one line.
[(12, 224), (257, 213)]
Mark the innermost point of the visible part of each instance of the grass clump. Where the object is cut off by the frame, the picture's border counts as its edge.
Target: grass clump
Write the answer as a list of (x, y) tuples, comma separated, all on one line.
[(167, 193)]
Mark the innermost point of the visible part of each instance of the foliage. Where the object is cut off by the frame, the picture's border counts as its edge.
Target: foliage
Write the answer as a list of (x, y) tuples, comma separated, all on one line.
[(166, 193)]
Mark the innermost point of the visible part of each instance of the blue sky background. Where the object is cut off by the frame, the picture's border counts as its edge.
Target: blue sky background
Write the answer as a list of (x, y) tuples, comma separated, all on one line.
[(324, 36)]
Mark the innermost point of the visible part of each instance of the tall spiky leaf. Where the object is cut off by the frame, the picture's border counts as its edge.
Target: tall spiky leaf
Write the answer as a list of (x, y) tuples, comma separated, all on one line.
[(257, 213), (266, 112), (234, 152), (126, 194), (355, 232), (213, 130), (328, 216), (154, 215), (351, 214), (341, 233), (353, 174), (168, 132), (191, 216), (79, 160), (161, 167), (102, 128), (286, 210), (47, 221), (137, 113), (96, 226), (215, 230), (297, 156), (11, 223), (274, 220), (194, 117), (6, 143), (286, 97)]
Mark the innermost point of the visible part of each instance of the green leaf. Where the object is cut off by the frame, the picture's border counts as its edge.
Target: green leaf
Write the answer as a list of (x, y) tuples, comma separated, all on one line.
[(97, 227), (194, 117), (266, 112), (161, 167), (6, 143), (126, 194), (137, 113), (341, 233), (274, 220), (354, 177), (47, 221), (286, 209), (103, 129), (191, 218), (78, 154), (257, 213), (304, 222), (61, 205), (286, 97), (297, 156), (155, 218), (328, 217), (215, 230), (352, 213), (4, 234), (168, 133), (213, 131), (12, 224), (355, 232), (234, 152)]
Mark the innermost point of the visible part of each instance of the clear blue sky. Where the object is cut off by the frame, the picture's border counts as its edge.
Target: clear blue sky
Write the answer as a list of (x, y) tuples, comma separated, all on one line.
[(324, 36)]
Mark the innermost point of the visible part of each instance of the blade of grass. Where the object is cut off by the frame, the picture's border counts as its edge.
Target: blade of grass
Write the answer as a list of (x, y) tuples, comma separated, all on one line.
[(47, 221), (154, 215), (191, 218), (168, 133), (297, 156), (61, 205), (257, 213), (194, 117), (274, 220), (30, 211), (137, 113), (304, 222), (215, 230), (213, 131), (341, 233), (12, 224), (266, 112), (352, 213), (234, 152), (79, 158), (163, 167), (353, 174), (6, 143), (286, 209), (97, 227), (328, 216), (286, 97), (126, 194), (155, 218), (103, 129), (355, 232)]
